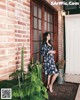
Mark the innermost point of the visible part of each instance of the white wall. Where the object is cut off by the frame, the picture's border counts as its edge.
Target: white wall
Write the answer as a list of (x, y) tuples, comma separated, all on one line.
[(72, 32)]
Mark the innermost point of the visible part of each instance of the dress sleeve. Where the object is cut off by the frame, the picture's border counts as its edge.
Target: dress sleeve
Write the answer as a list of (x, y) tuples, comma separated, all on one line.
[(44, 50)]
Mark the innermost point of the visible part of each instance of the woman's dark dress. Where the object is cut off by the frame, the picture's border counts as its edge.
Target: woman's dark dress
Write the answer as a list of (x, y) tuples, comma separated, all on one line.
[(49, 64)]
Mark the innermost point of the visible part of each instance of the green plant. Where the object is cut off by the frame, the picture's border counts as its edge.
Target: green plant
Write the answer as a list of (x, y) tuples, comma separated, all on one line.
[(31, 86), (22, 63), (19, 74), (36, 89)]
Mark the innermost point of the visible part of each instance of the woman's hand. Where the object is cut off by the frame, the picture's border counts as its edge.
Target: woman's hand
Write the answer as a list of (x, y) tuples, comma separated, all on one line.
[(52, 52)]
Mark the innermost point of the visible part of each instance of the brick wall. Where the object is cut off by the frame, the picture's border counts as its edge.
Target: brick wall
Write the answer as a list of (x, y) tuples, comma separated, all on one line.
[(14, 33), (60, 28)]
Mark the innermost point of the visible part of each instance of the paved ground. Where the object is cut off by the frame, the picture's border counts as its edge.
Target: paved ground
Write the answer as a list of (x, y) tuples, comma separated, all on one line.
[(74, 79)]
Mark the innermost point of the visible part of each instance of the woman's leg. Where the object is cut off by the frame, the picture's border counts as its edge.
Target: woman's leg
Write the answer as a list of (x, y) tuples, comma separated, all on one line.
[(49, 79), (54, 78), (52, 81)]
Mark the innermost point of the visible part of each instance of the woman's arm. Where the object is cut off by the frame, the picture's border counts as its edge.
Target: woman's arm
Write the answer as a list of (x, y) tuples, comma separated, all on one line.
[(44, 50), (52, 52)]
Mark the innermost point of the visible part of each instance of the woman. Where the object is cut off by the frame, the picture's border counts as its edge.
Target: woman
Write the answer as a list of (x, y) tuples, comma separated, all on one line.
[(49, 64)]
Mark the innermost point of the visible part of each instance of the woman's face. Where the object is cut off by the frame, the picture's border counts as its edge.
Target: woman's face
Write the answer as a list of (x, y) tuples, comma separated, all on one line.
[(48, 37)]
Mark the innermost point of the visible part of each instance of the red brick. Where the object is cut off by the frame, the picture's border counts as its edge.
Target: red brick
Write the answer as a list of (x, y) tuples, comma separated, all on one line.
[(28, 40), (28, 1), (2, 6), (2, 26), (11, 51), (16, 40), (23, 11), (18, 35), (10, 33), (16, 31), (12, 62), (21, 23), (18, 62), (20, 14), (16, 22), (26, 12), (11, 39), (3, 64), (17, 0), (10, 45), (6, 20), (10, 3), (26, 36), (2, 58), (27, 60), (2, 12), (11, 15), (3, 1), (5, 77), (25, 4), (7, 70), (21, 40), (2, 51), (10, 9), (20, 10), (18, 27), (3, 39), (21, 31), (7, 45), (11, 27), (17, 53), (10, 57)]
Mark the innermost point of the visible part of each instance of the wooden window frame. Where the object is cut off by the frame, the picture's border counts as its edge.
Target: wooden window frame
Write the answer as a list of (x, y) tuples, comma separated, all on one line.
[(44, 4)]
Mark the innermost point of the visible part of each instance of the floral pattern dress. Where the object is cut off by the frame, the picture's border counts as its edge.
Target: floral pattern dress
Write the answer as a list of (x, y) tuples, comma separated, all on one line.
[(49, 63)]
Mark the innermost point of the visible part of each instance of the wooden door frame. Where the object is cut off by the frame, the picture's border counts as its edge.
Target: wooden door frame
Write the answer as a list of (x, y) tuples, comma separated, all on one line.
[(44, 4)]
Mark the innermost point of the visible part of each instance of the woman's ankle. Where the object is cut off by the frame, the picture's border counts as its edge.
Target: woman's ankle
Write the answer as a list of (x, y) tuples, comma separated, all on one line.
[(51, 88)]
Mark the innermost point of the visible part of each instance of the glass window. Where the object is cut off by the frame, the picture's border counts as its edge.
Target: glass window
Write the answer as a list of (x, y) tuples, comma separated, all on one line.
[(36, 57), (39, 23), (48, 17), (49, 27), (40, 35), (45, 16), (35, 11), (39, 11), (48, 23), (36, 47), (35, 22), (51, 19), (38, 29), (35, 37), (45, 25)]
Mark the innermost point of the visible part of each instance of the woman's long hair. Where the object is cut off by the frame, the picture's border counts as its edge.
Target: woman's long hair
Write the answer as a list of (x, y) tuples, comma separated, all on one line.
[(45, 37)]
